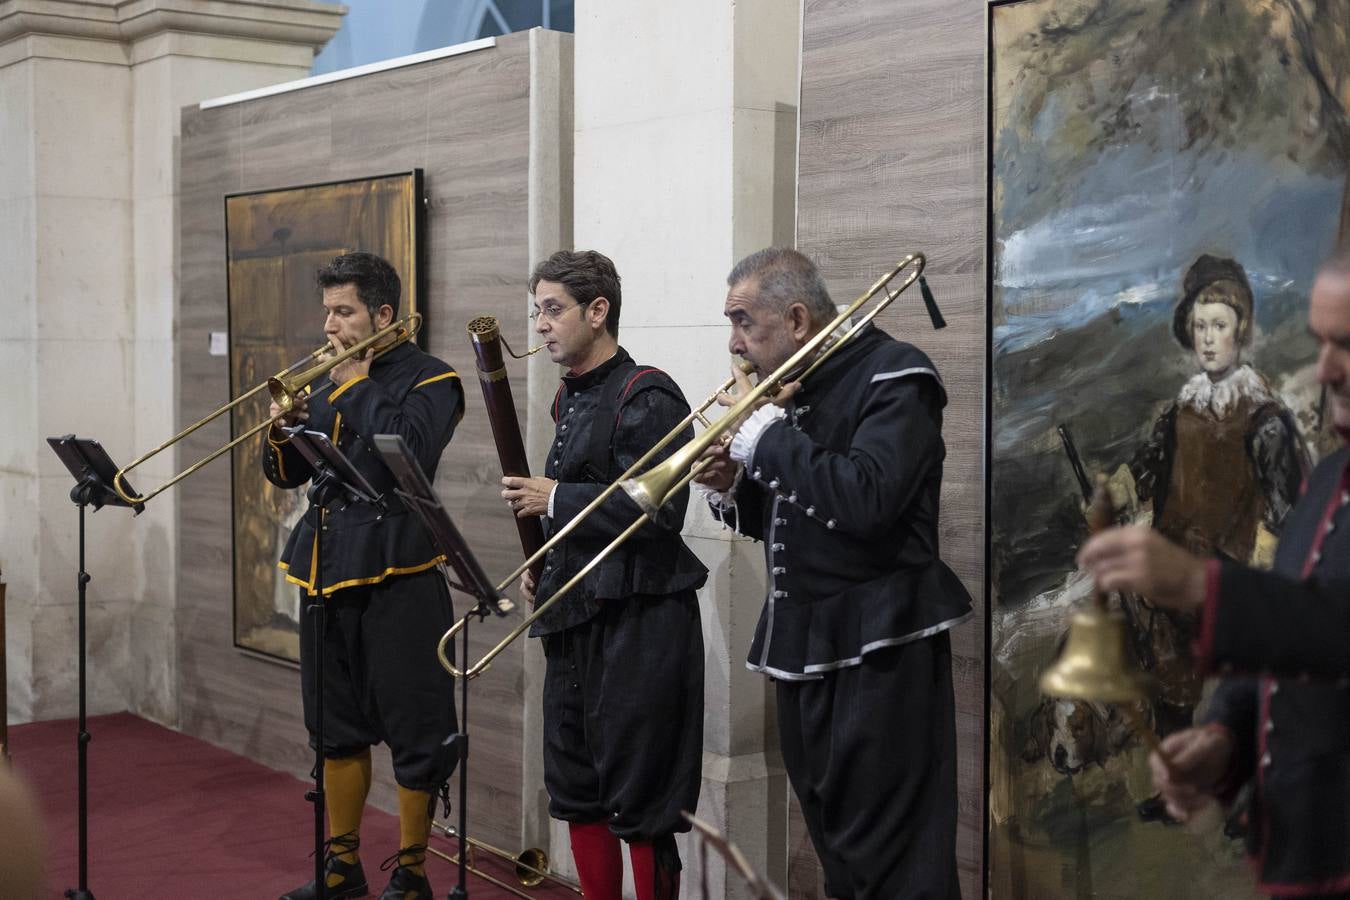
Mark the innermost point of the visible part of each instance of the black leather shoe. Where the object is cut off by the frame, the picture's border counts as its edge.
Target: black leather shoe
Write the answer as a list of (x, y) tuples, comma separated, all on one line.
[(352, 877), (405, 884)]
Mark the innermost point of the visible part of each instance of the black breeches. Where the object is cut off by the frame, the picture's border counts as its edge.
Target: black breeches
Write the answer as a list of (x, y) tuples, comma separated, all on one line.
[(871, 754), (623, 716), (382, 681)]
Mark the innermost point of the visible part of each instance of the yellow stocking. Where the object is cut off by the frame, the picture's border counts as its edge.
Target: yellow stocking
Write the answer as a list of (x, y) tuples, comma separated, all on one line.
[(414, 825), (346, 784)]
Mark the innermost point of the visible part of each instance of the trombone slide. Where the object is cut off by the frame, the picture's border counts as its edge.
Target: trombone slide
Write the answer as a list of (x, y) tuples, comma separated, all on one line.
[(655, 487)]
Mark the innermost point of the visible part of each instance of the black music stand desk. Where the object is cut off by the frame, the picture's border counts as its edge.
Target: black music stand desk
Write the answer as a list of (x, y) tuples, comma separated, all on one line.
[(416, 492), (94, 473), (336, 484)]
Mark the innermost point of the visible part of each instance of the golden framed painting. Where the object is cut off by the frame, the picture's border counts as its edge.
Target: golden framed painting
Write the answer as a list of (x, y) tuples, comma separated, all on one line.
[(276, 241)]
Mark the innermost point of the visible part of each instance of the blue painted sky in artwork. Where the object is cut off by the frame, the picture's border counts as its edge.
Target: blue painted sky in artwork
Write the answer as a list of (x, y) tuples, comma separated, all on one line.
[(1079, 236), (1129, 232)]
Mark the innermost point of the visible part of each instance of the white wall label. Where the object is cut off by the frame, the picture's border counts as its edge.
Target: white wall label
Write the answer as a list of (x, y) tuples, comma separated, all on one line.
[(219, 343)]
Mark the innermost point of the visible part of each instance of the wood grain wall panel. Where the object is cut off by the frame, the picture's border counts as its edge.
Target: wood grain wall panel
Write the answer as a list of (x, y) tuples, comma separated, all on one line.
[(465, 121), (892, 160)]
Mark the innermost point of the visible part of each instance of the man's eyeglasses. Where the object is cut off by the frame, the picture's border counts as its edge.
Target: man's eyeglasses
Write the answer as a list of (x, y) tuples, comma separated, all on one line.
[(551, 311)]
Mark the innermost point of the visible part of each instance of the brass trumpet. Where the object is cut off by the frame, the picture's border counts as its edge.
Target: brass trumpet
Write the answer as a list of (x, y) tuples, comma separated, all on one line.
[(652, 490), (531, 863), (289, 388)]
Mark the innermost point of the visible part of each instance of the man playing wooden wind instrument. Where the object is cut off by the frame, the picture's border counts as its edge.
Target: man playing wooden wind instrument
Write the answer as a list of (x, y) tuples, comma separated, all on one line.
[(623, 685)]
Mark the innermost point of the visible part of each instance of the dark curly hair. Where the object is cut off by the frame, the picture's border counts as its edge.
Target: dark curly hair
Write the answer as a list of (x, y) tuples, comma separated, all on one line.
[(587, 275), (377, 284)]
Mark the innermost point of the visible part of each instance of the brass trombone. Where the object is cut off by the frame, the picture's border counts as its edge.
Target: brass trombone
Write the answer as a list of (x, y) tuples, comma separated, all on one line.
[(289, 388), (652, 490), (531, 864)]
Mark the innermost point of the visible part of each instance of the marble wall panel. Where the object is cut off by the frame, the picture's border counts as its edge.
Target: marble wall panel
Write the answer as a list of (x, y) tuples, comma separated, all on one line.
[(892, 160)]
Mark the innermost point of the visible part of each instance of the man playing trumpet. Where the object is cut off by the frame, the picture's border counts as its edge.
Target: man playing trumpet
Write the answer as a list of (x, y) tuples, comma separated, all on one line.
[(623, 684), (386, 601)]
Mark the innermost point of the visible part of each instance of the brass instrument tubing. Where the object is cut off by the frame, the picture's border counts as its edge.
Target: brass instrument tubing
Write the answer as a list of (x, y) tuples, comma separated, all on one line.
[(479, 667), (450, 832), (403, 330), (641, 490), (454, 860), (514, 355)]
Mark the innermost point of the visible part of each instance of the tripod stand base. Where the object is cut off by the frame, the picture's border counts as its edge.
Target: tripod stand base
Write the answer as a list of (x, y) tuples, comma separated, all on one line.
[(73, 894)]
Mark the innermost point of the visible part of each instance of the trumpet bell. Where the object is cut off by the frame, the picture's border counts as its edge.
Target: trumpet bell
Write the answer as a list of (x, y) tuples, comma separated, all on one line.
[(1094, 664)]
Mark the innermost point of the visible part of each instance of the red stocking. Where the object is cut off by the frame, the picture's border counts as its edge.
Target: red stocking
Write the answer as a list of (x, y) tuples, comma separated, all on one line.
[(599, 860), (655, 877)]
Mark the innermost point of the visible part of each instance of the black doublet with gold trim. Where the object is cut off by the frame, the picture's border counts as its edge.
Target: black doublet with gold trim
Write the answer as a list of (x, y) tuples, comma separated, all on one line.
[(409, 393)]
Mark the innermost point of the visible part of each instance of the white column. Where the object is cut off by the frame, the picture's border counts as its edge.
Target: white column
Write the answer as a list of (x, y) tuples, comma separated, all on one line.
[(90, 94), (550, 227), (685, 161)]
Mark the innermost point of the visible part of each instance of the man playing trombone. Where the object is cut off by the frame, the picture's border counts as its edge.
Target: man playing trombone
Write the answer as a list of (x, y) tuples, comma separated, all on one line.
[(386, 601), (840, 479), (623, 683)]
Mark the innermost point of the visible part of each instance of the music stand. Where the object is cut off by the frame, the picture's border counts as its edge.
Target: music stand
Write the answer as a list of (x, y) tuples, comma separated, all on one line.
[(416, 492), (335, 484), (94, 473)]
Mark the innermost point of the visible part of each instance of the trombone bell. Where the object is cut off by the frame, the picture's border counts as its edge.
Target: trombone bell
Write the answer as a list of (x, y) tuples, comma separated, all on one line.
[(531, 866), (288, 388), (647, 491), (1094, 664)]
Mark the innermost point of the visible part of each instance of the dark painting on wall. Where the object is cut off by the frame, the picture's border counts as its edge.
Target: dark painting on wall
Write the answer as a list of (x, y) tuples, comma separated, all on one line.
[(1165, 178), (275, 243)]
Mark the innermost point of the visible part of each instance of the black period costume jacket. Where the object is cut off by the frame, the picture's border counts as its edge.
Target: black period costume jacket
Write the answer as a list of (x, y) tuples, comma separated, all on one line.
[(844, 494), (408, 393), (1283, 640), (647, 404)]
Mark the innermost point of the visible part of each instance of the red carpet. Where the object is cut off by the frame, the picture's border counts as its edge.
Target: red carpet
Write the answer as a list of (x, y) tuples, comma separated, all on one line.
[(175, 818)]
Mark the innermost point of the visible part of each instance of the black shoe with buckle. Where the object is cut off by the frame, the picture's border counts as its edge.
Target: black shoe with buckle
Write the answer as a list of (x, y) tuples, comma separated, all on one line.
[(351, 878), (405, 884)]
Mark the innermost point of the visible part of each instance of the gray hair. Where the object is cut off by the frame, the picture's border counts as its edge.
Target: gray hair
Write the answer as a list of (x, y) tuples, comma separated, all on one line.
[(785, 277)]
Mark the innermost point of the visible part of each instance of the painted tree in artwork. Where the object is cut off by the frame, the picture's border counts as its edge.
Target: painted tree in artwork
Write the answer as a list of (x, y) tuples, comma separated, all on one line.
[(1101, 65)]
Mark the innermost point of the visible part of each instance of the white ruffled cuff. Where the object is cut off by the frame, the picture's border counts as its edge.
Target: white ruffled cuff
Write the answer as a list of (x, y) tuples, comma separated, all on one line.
[(743, 444), (723, 500)]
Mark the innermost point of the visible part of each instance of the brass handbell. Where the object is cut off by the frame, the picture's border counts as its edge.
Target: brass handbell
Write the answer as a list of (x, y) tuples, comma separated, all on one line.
[(1094, 664)]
